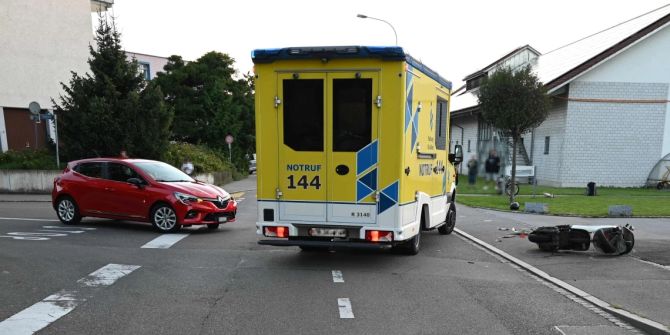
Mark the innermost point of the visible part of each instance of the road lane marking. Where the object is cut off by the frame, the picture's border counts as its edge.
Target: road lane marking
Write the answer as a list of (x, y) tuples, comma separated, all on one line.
[(345, 308), (26, 219), (62, 231), (660, 266), (27, 238), (21, 233), (61, 227), (164, 241), (559, 330), (237, 195), (337, 276), (53, 307), (107, 275)]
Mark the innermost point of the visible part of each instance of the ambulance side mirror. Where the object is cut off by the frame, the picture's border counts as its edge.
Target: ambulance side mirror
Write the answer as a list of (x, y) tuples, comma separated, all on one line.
[(456, 157)]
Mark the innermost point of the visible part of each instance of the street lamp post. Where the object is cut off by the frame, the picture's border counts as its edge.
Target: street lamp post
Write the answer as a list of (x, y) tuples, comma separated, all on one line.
[(374, 18)]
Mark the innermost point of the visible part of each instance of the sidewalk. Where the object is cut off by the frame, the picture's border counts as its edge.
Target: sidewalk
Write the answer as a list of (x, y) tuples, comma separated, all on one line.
[(638, 283), (245, 185)]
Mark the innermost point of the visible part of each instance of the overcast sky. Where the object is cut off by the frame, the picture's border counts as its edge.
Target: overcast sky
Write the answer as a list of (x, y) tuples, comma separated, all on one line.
[(455, 38)]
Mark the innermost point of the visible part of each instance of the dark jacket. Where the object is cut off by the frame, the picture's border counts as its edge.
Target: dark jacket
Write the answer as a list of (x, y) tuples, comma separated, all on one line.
[(492, 164)]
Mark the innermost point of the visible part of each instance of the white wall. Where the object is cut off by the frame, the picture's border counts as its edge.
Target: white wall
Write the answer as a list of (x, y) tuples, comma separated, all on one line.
[(156, 63), (548, 166), (469, 133), (612, 144), (41, 41), (645, 62)]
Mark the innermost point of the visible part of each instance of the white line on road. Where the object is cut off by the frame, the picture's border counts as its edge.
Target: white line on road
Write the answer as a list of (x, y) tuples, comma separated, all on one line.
[(559, 330), (337, 276), (25, 219), (53, 307), (107, 275), (345, 308), (164, 241), (660, 266), (60, 227), (62, 231)]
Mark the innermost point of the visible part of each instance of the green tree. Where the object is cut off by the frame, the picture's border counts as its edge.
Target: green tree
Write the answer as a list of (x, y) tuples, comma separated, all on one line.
[(112, 107), (209, 103), (514, 102)]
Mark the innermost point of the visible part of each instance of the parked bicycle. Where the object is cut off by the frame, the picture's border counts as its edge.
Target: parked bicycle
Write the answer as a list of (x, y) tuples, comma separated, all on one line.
[(505, 185)]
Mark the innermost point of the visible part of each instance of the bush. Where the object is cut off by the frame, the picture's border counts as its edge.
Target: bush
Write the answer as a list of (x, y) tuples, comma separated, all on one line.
[(203, 158), (28, 160)]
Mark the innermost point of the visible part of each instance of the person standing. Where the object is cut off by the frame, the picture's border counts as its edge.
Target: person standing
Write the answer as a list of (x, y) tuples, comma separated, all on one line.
[(492, 165), (472, 170), (187, 166)]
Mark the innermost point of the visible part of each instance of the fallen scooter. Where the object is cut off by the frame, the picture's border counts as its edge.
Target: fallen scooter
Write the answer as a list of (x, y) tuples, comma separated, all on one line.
[(610, 240)]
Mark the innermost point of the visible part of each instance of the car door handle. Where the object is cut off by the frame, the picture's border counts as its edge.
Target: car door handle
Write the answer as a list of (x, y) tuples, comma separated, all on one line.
[(109, 189)]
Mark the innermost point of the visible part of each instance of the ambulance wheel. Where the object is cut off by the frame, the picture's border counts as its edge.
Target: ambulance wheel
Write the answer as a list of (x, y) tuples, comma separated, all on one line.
[(450, 223), (411, 247)]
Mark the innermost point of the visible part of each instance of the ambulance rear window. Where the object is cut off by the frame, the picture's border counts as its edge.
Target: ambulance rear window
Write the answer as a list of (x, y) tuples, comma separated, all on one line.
[(352, 114), (303, 114)]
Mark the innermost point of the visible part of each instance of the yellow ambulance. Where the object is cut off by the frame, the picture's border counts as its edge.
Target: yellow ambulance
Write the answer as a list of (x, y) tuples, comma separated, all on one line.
[(352, 148)]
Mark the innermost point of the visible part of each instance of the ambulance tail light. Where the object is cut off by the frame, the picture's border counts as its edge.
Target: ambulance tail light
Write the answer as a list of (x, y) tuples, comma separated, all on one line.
[(379, 236), (279, 231)]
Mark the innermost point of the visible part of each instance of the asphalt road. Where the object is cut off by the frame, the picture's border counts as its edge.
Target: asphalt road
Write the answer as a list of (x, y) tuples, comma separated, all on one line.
[(223, 282)]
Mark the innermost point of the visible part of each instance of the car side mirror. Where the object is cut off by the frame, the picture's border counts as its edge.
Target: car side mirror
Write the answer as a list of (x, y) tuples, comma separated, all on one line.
[(456, 157), (137, 182)]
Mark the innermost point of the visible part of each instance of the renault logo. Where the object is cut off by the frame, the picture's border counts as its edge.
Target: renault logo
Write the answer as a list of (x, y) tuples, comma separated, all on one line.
[(220, 199)]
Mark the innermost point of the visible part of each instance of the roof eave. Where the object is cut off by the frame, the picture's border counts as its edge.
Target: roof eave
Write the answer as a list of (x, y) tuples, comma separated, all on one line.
[(607, 54)]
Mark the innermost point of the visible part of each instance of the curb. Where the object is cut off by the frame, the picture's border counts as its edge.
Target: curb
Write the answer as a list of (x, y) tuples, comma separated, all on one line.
[(564, 215), (644, 324)]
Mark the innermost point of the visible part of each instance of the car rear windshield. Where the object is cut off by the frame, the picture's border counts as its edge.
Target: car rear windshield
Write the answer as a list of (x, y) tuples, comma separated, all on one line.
[(160, 171)]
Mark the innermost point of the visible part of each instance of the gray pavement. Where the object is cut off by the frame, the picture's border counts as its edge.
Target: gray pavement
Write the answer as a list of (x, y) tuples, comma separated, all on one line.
[(223, 282), (638, 282)]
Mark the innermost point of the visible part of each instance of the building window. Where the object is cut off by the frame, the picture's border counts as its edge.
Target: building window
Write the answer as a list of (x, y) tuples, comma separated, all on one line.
[(145, 70), (546, 145), (469, 150)]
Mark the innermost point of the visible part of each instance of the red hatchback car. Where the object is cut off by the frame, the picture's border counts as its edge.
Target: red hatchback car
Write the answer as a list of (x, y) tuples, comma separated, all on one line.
[(139, 190)]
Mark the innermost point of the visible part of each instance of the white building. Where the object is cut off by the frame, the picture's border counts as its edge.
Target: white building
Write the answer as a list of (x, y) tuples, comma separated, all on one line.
[(149, 65), (610, 120), (42, 42)]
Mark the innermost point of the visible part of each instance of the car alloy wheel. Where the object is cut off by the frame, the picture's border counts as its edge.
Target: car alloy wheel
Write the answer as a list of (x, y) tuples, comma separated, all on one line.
[(67, 211), (165, 219)]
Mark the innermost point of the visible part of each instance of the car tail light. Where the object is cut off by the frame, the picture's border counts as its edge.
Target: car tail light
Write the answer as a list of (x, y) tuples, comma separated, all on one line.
[(379, 236), (279, 231)]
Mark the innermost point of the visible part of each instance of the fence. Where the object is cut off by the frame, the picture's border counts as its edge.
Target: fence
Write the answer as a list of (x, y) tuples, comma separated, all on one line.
[(41, 181)]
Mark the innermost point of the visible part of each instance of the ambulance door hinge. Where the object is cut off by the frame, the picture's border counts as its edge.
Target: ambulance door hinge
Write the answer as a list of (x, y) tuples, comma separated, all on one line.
[(379, 101), (278, 193), (277, 101)]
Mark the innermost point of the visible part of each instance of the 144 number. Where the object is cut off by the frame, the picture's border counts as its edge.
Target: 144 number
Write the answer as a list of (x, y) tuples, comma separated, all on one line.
[(302, 182)]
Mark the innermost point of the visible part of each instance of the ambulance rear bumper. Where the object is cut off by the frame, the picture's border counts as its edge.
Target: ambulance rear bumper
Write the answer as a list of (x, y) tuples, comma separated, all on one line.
[(327, 244)]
